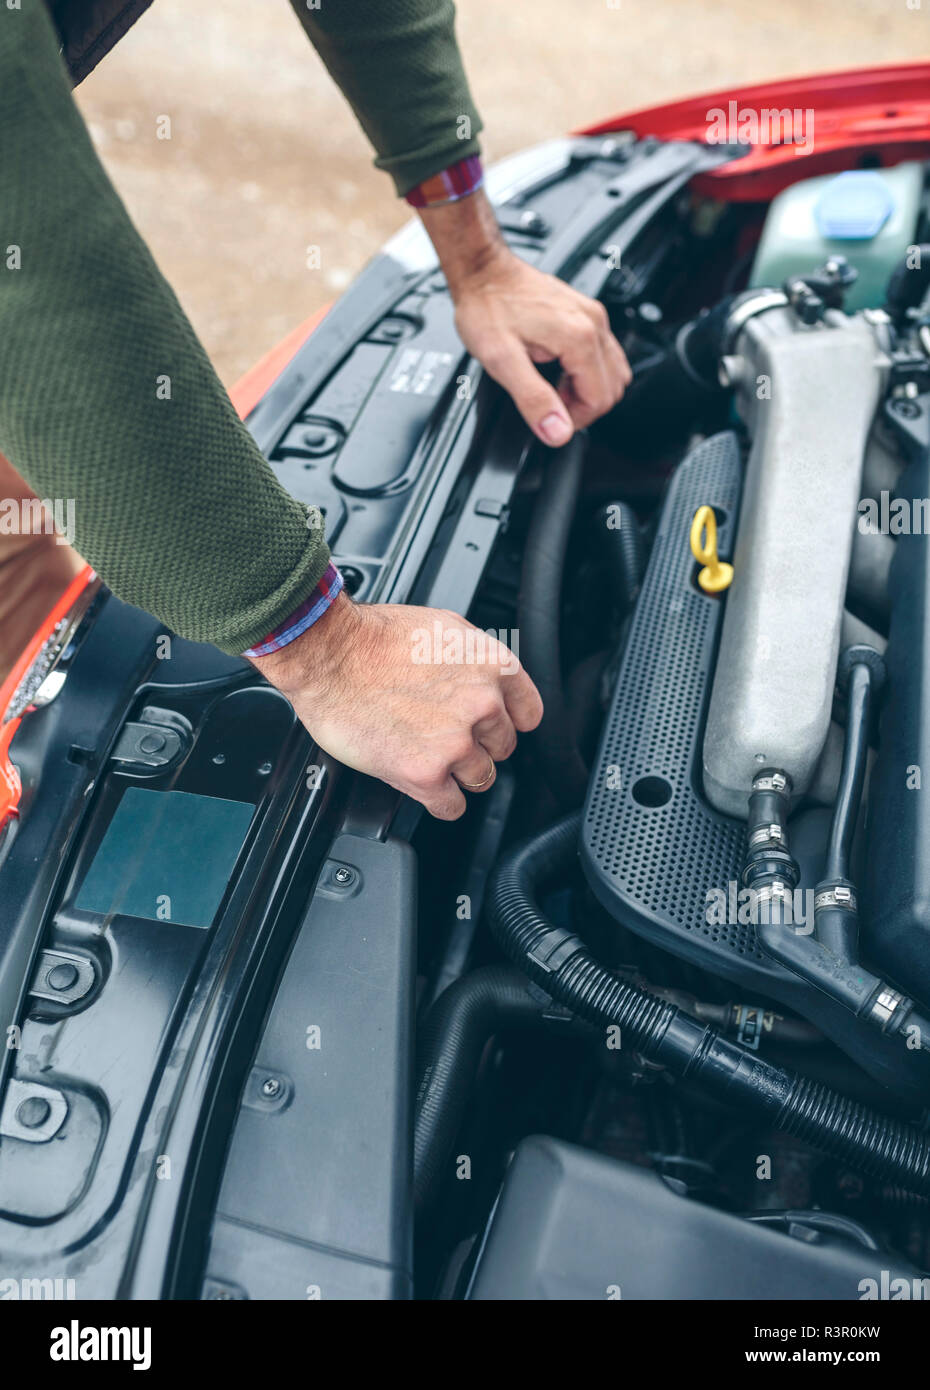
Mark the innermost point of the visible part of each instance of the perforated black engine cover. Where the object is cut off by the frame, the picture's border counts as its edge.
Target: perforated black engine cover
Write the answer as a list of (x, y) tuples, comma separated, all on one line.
[(651, 845)]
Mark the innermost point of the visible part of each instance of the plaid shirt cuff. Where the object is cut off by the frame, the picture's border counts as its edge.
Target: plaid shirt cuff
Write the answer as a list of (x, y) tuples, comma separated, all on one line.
[(312, 608), (456, 182)]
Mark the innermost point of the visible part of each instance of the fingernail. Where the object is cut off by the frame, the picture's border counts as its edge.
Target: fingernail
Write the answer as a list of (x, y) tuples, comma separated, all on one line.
[(555, 428)]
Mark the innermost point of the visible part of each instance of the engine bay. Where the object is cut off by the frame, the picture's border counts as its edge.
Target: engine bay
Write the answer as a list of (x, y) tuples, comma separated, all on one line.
[(653, 1019)]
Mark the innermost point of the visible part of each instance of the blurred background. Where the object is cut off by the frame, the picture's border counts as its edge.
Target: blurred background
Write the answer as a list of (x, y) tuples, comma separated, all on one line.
[(265, 158)]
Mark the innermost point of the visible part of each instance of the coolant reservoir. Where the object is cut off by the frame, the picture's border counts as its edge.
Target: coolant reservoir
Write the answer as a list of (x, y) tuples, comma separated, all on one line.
[(870, 216)]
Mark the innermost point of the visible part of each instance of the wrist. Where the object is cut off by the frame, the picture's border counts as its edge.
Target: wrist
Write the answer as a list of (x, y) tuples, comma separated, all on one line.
[(312, 663), (467, 238)]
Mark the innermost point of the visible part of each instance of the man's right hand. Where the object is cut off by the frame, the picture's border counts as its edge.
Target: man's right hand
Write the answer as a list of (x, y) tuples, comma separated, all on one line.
[(416, 696)]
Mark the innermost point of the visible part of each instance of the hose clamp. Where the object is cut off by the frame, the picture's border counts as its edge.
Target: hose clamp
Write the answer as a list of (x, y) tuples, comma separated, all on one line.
[(779, 890), (778, 782), (767, 835), (756, 304), (556, 947), (886, 1005), (837, 896)]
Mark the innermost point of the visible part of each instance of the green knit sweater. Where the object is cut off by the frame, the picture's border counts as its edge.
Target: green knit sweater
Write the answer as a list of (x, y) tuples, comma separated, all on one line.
[(106, 395)]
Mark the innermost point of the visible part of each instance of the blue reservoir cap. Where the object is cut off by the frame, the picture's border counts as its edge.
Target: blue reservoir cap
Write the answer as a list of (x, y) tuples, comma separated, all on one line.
[(854, 206)]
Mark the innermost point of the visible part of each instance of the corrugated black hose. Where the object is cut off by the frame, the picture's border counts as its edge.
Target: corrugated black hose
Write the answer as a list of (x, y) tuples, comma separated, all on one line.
[(449, 1046), (561, 964), (617, 529)]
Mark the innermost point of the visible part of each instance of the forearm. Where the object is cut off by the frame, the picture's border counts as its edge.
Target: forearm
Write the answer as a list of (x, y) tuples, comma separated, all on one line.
[(399, 67), (108, 398)]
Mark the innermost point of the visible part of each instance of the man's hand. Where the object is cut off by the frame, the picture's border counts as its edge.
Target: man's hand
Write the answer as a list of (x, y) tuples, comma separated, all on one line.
[(512, 318), (416, 696)]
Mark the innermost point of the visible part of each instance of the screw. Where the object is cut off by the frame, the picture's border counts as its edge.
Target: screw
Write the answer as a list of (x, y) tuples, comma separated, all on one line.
[(33, 1112), (532, 221), (271, 1087), (344, 875), (152, 743), (62, 976)]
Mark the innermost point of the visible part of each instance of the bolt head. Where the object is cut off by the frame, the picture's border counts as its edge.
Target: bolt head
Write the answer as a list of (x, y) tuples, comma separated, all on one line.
[(33, 1112), (62, 976)]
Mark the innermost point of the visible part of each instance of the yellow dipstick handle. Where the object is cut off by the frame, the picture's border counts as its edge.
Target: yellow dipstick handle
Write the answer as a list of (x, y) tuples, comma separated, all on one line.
[(716, 575)]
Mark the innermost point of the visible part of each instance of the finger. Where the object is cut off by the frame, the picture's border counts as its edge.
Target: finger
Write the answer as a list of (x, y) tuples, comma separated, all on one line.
[(586, 388), (497, 735), (619, 373), (618, 376), (477, 772), (523, 700), (445, 802), (620, 369), (625, 367), (508, 362)]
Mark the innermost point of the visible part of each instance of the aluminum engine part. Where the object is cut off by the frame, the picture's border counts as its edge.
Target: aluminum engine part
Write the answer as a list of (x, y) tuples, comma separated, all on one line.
[(808, 394)]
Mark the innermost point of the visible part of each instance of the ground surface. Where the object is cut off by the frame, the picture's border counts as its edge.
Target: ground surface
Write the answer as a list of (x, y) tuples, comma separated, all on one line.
[(266, 160)]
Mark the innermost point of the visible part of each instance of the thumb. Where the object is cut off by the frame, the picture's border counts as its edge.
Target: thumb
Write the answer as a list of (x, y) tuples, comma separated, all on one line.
[(539, 403)]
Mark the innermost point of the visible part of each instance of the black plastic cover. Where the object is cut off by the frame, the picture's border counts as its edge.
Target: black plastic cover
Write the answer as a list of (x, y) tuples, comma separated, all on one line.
[(574, 1225), (316, 1200)]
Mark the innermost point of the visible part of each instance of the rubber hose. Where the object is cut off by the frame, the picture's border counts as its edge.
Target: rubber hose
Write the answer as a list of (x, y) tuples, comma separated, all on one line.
[(618, 530), (557, 960), (909, 282), (449, 1046), (663, 401), (539, 610), (852, 775), (701, 343)]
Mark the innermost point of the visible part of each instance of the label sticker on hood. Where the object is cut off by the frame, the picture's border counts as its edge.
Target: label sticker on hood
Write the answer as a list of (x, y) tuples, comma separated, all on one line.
[(419, 372)]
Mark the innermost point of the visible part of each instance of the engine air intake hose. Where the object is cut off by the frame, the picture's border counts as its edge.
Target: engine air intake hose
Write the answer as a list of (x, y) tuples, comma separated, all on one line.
[(560, 962), (539, 609), (449, 1046)]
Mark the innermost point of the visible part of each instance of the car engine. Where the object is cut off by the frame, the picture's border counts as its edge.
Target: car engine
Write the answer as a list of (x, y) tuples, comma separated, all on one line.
[(653, 1019)]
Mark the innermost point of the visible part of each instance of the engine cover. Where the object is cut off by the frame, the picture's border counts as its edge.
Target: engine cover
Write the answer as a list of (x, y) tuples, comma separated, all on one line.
[(655, 852)]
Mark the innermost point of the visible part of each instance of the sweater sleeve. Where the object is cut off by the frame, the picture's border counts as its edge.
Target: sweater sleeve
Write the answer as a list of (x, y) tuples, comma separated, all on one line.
[(399, 67), (107, 398)]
